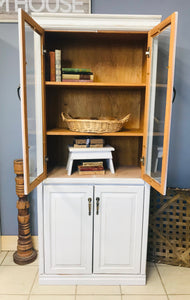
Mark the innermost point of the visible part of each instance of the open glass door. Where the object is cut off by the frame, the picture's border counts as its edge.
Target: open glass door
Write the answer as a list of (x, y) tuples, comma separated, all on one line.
[(31, 37), (160, 73)]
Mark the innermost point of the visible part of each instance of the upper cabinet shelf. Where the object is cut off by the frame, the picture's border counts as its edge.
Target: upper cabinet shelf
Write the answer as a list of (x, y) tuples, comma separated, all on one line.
[(96, 84), (62, 131)]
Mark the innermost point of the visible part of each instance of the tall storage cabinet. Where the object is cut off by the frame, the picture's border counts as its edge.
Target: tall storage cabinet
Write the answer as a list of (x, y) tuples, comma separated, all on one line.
[(93, 229)]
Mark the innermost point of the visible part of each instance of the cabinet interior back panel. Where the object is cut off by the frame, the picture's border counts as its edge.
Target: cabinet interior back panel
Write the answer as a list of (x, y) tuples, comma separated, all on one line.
[(94, 103), (112, 57), (127, 150)]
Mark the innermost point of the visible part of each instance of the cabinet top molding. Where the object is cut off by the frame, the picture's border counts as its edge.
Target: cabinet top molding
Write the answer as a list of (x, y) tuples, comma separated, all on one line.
[(95, 22)]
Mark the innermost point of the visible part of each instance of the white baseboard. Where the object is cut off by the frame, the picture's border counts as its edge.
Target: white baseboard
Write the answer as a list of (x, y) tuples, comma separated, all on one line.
[(9, 242)]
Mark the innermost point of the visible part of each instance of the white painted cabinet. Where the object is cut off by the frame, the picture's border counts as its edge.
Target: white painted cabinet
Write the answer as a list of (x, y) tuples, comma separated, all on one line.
[(93, 229)]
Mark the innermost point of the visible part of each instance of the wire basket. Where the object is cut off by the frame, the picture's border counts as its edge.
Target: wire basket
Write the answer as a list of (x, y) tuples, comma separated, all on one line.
[(94, 126)]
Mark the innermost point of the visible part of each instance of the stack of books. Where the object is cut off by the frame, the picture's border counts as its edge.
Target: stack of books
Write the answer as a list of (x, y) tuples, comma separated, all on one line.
[(75, 74), (91, 168), (88, 142), (55, 65), (96, 142)]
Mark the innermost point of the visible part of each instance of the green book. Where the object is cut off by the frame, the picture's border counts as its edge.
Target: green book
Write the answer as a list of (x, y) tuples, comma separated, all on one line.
[(75, 70)]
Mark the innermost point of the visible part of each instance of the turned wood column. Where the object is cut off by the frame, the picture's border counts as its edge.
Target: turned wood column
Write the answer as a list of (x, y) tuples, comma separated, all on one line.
[(25, 253)]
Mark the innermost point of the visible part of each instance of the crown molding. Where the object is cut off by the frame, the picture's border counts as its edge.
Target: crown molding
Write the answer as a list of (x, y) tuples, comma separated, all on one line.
[(95, 22)]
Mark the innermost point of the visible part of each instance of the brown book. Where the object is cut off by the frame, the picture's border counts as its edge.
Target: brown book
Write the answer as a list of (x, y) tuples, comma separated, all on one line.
[(97, 146), (77, 80), (92, 163), (96, 141), (90, 168), (101, 172), (77, 77), (80, 141), (52, 65), (79, 146)]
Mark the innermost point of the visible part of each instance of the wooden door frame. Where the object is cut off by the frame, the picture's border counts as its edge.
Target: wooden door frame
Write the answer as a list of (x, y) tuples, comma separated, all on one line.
[(25, 18), (170, 21)]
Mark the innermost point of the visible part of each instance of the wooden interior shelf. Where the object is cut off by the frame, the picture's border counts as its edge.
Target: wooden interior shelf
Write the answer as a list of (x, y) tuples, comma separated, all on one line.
[(66, 132), (121, 172), (96, 84)]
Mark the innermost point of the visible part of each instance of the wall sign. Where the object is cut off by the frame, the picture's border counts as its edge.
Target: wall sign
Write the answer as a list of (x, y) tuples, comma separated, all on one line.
[(9, 8)]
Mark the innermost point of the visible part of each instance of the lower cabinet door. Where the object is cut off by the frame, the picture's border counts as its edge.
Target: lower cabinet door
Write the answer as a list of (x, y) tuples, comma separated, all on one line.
[(68, 218), (118, 221)]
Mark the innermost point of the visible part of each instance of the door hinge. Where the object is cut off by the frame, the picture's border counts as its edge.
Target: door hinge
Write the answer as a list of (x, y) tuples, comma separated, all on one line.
[(142, 160), (44, 51), (46, 159), (147, 53)]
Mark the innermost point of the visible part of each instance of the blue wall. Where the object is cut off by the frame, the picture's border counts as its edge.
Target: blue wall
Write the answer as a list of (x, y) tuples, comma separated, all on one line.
[(10, 119)]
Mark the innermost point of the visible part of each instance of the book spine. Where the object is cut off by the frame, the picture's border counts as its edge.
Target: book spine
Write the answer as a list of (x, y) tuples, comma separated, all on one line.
[(97, 146), (96, 141), (93, 163), (52, 65), (91, 168), (77, 80), (77, 76), (80, 141), (80, 146), (75, 70), (58, 65), (86, 76), (102, 172)]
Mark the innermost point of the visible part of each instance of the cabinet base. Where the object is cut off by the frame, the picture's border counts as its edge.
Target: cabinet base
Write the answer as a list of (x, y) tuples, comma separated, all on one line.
[(92, 280)]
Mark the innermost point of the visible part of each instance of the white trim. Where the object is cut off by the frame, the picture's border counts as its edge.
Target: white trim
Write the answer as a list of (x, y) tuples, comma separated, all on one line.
[(90, 6), (20, 39), (40, 210), (94, 181), (9, 242), (92, 279), (145, 227), (9, 21), (95, 22)]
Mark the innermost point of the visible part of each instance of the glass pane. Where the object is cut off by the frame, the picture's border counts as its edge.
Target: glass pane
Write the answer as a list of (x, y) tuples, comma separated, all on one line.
[(34, 102), (158, 91)]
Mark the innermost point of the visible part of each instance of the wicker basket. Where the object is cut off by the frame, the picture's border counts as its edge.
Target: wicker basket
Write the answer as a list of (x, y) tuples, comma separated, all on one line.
[(169, 228), (94, 126)]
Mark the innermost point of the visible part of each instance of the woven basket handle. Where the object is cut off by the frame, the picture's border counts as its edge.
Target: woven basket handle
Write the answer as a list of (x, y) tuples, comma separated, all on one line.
[(125, 119), (65, 116)]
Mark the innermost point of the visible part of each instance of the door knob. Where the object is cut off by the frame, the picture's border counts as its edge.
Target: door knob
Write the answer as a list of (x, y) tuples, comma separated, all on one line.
[(89, 206), (97, 205)]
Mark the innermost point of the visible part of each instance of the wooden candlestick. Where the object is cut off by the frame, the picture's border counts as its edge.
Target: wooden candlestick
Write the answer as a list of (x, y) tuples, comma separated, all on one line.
[(25, 253)]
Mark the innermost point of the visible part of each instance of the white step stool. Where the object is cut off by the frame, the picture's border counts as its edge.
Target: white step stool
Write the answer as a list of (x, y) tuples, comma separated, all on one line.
[(90, 153)]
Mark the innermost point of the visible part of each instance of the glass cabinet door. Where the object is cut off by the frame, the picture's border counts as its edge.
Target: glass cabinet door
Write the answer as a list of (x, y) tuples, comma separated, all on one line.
[(160, 71), (32, 100)]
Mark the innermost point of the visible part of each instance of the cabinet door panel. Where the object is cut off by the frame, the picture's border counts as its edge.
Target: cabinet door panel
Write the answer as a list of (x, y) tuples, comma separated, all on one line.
[(31, 37), (68, 229), (118, 229), (160, 73)]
